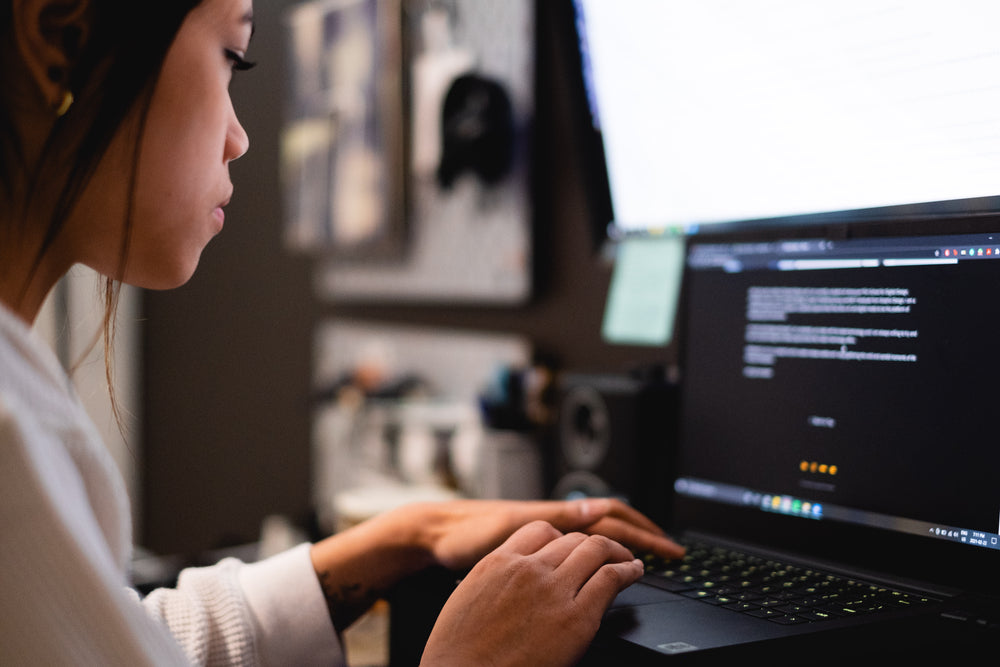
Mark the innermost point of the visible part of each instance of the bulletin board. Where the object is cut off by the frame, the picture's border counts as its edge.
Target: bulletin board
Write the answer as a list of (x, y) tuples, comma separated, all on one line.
[(454, 222)]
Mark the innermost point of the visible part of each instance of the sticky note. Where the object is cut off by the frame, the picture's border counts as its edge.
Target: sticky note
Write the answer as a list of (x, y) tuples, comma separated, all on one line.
[(644, 291)]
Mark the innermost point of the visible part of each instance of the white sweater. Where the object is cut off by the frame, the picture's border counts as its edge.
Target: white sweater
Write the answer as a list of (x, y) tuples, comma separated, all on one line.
[(65, 545)]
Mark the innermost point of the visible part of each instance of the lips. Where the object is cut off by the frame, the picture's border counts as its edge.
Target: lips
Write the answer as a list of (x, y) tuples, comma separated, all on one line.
[(219, 214)]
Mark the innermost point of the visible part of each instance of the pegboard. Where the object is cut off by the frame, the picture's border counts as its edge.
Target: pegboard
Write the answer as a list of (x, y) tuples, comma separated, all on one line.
[(469, 240)]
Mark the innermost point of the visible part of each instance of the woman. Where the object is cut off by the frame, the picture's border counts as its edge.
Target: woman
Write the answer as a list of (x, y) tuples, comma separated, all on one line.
[(117, 134)]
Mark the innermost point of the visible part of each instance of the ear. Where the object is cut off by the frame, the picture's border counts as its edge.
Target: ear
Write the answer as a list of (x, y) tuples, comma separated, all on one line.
[(50, 36)]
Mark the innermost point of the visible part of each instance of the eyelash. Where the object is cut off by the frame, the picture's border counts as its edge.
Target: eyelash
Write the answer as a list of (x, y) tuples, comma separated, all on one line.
[(239, 63)]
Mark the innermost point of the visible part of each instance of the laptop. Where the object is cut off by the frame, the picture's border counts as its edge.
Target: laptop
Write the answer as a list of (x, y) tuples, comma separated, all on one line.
[(838, 413)]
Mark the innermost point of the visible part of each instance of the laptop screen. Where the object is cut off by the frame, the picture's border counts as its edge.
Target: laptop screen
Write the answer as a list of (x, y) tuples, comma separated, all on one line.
[(846, 380)]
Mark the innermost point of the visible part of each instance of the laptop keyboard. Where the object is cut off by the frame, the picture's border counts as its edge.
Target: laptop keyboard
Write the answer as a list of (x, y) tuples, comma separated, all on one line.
[(769, 589)]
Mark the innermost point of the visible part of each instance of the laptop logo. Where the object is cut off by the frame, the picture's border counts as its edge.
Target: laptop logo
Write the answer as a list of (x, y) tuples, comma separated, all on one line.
[(676, 647)]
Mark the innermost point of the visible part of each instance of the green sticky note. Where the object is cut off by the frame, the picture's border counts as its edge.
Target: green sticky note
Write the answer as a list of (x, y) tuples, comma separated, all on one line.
[(645, 288)]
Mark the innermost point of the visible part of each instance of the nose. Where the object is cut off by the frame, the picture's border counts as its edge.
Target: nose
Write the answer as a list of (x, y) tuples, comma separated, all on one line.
[(237, 140)]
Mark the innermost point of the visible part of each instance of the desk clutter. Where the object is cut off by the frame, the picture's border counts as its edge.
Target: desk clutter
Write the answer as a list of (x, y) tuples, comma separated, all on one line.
[(374, 457), (406, 414)]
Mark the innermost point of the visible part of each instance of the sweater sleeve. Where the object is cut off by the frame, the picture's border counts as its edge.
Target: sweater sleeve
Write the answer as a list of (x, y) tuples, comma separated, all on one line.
[(269, 613), (64, 597), (289, 611)]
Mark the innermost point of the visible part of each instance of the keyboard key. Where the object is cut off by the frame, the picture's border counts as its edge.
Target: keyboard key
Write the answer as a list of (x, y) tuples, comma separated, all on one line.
[(788, 619)]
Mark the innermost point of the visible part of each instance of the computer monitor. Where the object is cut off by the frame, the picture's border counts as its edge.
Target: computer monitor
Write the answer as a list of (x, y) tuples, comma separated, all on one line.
[(715, 114)]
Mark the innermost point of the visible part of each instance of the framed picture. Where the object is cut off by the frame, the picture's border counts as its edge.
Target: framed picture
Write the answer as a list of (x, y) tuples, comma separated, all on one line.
[(342, 144)]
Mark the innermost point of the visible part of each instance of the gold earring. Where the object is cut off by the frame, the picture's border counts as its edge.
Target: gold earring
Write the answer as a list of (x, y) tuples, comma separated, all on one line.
[(57, 75), (67, 102)]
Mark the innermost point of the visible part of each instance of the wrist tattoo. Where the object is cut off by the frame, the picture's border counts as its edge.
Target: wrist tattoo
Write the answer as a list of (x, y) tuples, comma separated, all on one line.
[(346, 601)]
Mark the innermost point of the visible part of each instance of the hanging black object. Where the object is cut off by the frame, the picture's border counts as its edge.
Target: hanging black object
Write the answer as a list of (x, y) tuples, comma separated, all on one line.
[(477, 131)]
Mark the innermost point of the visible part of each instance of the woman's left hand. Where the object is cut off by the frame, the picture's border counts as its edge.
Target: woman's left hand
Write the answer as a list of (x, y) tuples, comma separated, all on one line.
[(459, 533)]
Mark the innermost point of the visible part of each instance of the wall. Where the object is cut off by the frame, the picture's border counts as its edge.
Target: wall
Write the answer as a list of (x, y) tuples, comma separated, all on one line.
[(227, 357)]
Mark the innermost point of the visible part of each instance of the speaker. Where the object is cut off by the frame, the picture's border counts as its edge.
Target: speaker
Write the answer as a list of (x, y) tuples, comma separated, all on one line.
[(614, 436)]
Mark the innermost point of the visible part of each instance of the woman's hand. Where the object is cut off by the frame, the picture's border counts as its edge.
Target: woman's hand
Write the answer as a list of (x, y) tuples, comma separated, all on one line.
[(537, 599), (458, 534)]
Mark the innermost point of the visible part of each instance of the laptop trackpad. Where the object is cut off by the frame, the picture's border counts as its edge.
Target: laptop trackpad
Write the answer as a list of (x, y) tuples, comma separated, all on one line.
[(674, 624), (640, 593)]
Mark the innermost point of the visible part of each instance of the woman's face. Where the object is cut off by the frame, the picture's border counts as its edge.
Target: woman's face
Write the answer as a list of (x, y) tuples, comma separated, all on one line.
[(191, 136)]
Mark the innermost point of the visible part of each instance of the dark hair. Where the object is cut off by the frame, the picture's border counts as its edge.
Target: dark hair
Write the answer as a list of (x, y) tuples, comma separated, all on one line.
[(116, 69)]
